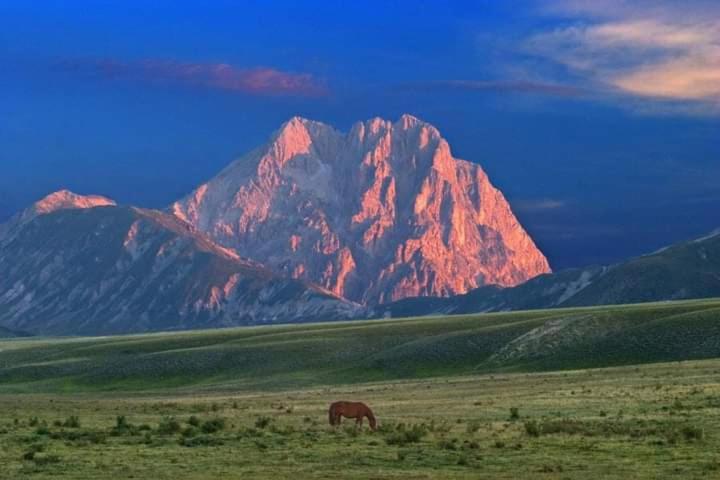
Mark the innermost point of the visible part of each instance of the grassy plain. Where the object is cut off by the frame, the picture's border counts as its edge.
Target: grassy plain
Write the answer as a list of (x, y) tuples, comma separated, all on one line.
[(488, 396)]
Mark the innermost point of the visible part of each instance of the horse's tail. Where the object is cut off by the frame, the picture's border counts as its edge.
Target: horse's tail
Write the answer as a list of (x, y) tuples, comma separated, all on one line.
[(371, 418), (331, 413)]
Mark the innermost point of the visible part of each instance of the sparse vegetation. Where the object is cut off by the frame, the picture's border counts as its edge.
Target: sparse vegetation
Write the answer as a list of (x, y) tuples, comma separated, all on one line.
[(168, 426), (403, 435), (158, 419)]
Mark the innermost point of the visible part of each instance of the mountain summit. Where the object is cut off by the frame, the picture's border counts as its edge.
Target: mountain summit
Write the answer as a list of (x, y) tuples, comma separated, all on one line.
[(377, 214)]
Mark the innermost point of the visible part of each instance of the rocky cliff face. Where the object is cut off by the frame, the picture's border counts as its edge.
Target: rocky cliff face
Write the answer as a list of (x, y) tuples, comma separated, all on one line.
[(687, 270), (378, 214), (82, 265)]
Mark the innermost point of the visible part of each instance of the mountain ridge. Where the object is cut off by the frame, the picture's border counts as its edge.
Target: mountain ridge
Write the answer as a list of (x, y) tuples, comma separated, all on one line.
[(686, 270), (97, 269), (381, 212)]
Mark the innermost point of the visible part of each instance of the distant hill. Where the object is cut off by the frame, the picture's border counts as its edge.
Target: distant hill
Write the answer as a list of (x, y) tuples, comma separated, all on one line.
[(683, 271), (7, 333), (290, 356), (82, 265)]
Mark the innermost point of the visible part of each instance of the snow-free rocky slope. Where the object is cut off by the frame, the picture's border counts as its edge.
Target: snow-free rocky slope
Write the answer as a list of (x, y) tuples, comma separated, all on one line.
[(378, 214), (82, 265), (687, 270)]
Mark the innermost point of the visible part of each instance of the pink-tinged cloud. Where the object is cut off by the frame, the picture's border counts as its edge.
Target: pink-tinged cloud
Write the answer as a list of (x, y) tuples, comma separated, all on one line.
[(657, 49), (262, 81)]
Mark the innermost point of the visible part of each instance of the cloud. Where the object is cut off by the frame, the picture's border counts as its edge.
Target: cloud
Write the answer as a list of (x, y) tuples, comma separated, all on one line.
[(510, 86), (537, 205), (658, 50), (260, 81)]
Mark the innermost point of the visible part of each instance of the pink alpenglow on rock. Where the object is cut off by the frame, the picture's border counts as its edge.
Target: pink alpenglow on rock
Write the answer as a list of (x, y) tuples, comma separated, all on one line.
[(67, 200), (377, 214)]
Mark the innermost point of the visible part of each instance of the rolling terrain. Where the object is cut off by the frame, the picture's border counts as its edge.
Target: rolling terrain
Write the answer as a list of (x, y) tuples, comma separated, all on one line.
[(292, 356), (640, 422)]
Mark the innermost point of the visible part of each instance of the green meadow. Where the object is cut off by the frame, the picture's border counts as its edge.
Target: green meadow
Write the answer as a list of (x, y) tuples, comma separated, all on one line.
[(614, 392)]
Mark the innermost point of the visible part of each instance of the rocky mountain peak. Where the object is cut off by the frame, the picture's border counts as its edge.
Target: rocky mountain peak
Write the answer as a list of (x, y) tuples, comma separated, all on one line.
[(67, 200), (380, 213)]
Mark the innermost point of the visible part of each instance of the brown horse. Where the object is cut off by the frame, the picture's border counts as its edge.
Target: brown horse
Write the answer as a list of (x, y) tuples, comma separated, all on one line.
[(356, 410)]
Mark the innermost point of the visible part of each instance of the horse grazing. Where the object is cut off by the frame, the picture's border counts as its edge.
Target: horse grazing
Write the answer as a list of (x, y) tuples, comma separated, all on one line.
[(356, 410)]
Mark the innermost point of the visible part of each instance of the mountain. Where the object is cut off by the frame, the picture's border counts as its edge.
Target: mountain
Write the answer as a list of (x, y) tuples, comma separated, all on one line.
[(686, 270), (378, 214), (83, 265)]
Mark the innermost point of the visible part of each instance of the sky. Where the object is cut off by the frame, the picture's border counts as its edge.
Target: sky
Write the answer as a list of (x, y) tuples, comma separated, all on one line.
[(598, 119)]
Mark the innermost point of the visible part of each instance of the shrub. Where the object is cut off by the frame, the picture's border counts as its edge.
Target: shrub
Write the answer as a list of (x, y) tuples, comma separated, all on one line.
[(473, 426), (194, 421), (121, 422), (72, 422), (201, 441), (262, 422), (32, 450), (123, 427), (532, 428), (514, 413), (168, 426), (46, 459), (447, 445), (213, 426), (33, 422), (403, 436), (692, 433), (84, 436)]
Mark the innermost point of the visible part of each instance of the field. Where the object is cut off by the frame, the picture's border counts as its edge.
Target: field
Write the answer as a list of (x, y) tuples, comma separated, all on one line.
[(579, 393)]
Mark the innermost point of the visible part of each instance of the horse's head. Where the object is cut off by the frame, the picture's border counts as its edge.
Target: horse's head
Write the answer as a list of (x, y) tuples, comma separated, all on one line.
[(373, 423)]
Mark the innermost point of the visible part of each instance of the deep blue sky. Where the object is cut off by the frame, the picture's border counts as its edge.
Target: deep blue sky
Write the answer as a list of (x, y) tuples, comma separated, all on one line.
[(589, 116)]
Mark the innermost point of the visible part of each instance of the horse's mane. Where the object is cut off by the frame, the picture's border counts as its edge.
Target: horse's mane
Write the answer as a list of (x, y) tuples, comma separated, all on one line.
[(371, 418)]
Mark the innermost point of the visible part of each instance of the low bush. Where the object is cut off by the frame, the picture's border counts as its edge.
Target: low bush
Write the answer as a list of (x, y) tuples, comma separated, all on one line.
[(201, 441), (473, 427), (80, 436), (262, 422), (532, 428), (168, 426), (213, 426), (405, 435), (72, 422)]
